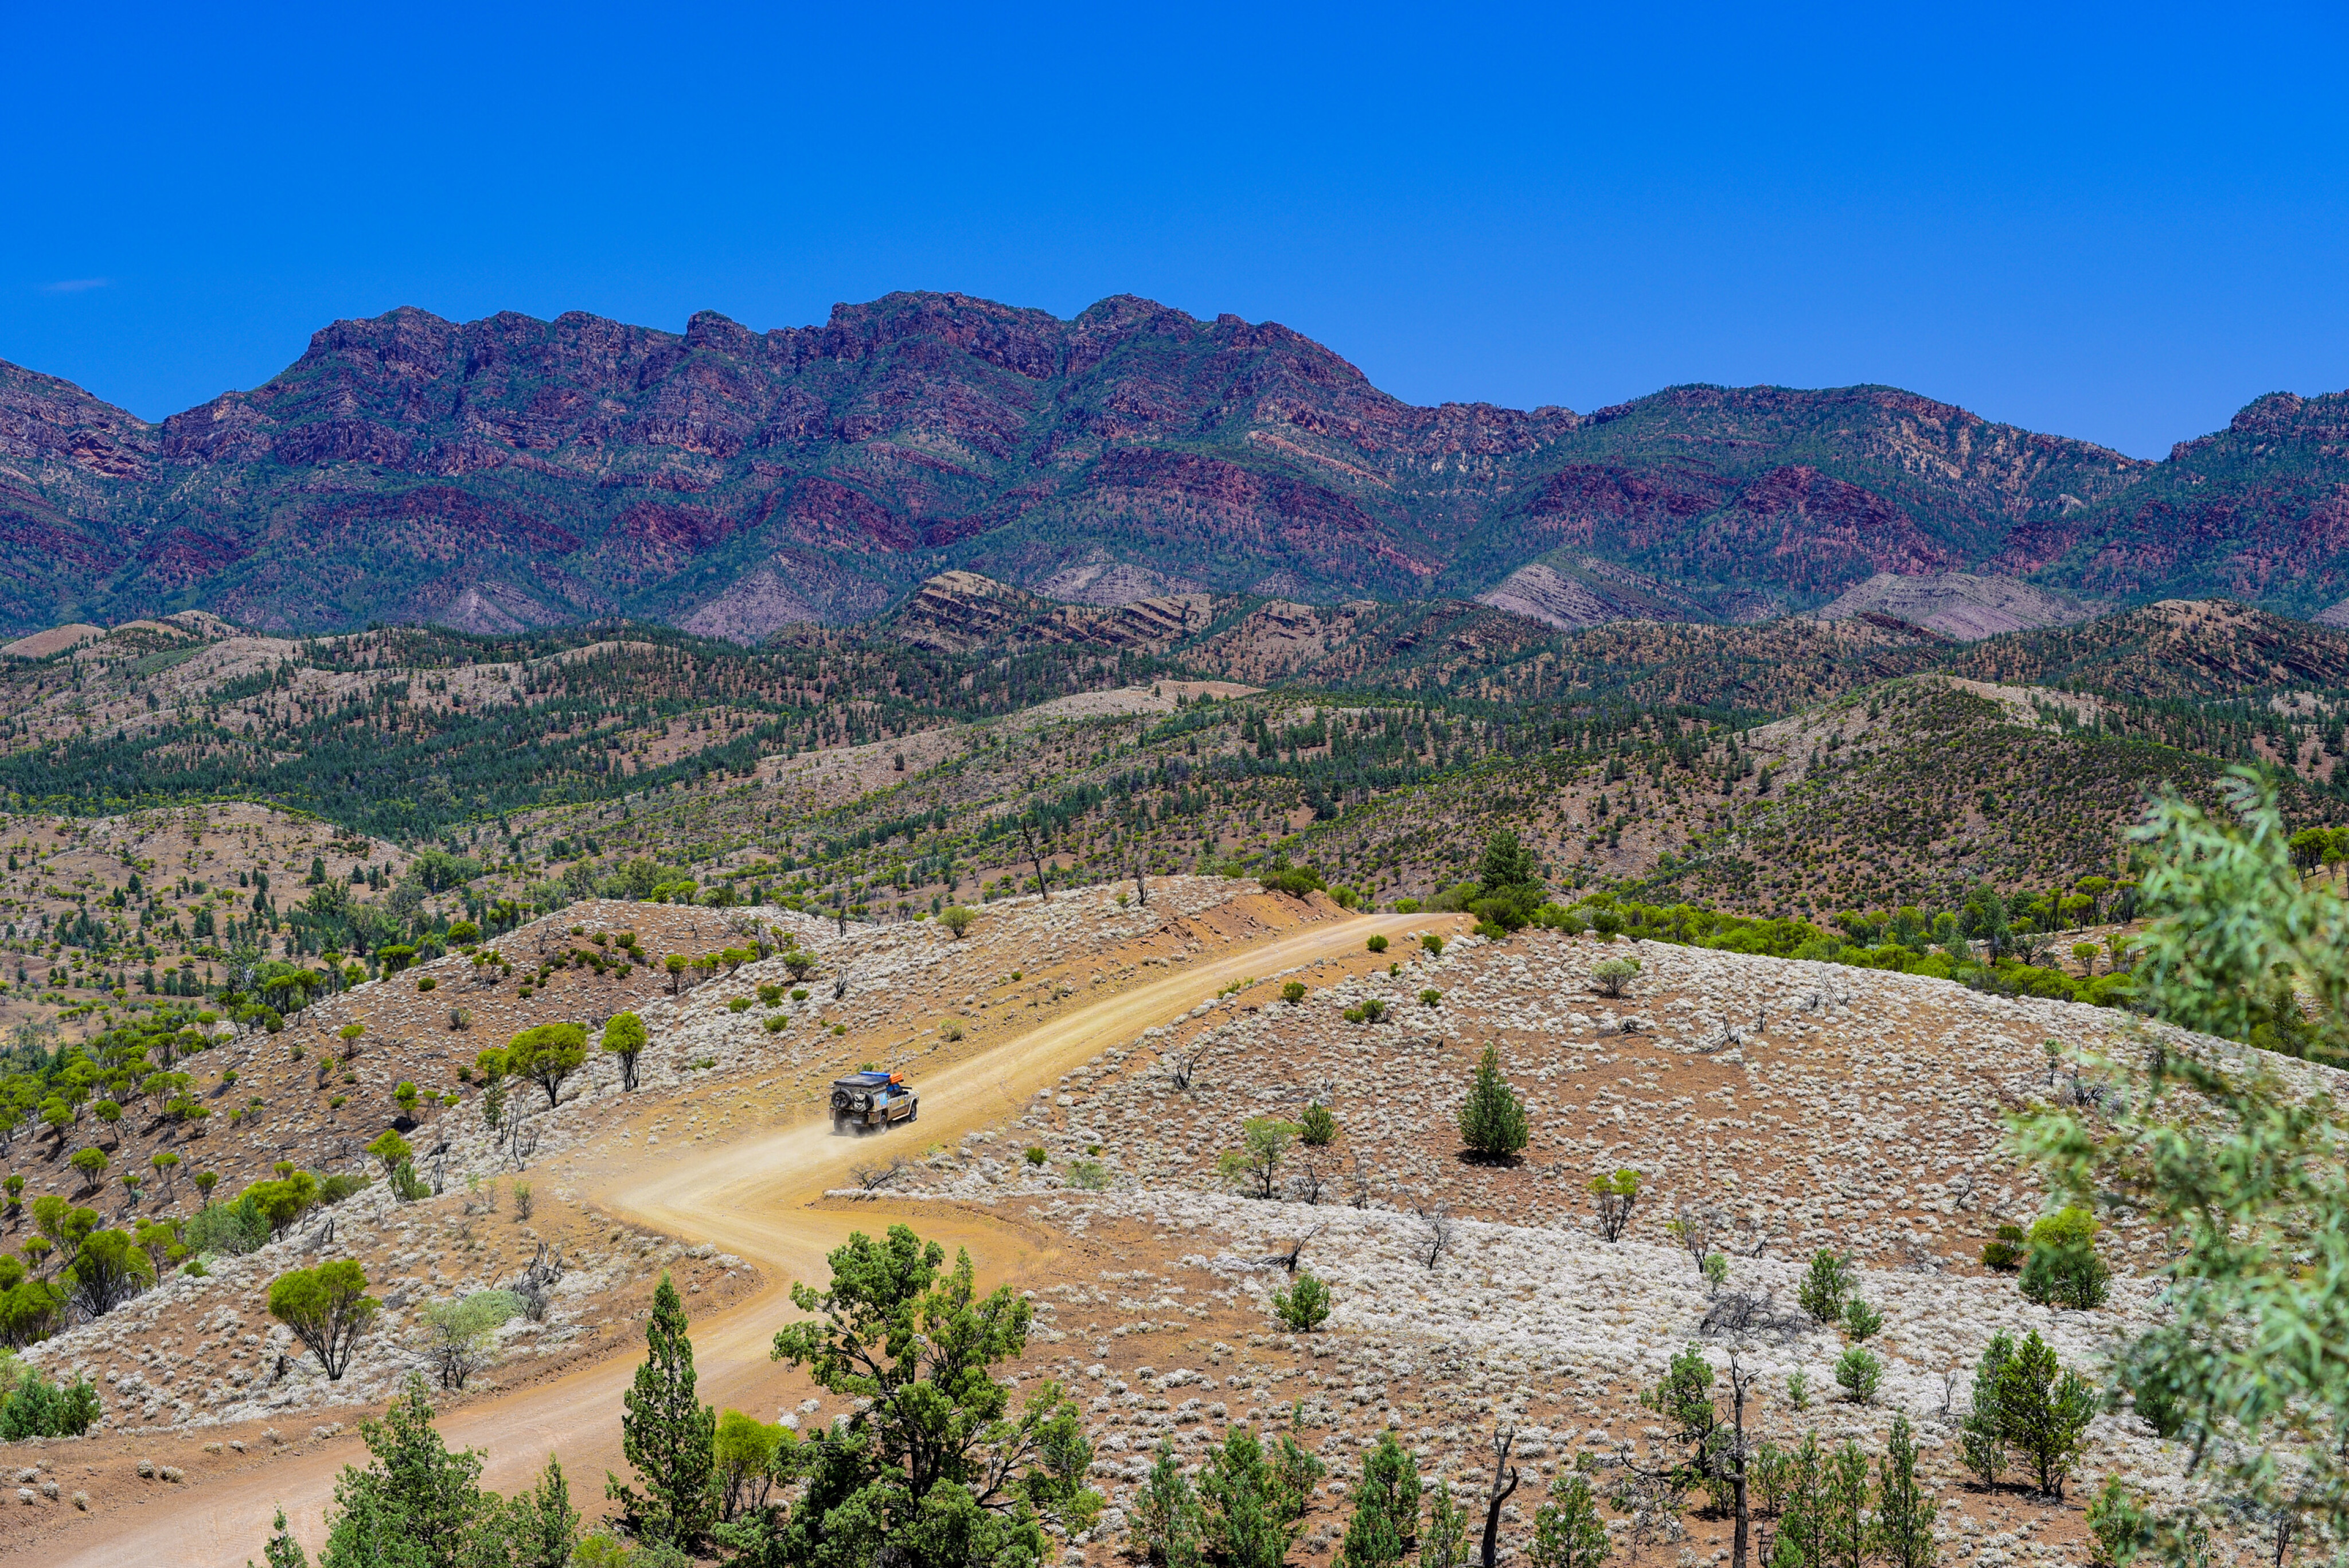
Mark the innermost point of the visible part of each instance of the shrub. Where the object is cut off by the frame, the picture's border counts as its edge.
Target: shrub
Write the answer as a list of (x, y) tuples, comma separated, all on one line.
[(1617, 1196), (1431, 943), (2004, 1254), (1824, 1287), (228, 1229), (1317, 1128), (1304, 1307), (1296, 881), (738, 1004), (1370, 1010), (458, 1334), (770, 996), (426, 982), (1861, 1321), (1798, 1389), (2119, 1524), (32, 1407), (1377, 944), (1493, 1121), (2063, 1269), (1293, 993), (390, 1150), (1858, 1371), (328, 1310), (1035, 1155), (1610, 975), (1430, 997), (1254, 1165), (1089, 1176)]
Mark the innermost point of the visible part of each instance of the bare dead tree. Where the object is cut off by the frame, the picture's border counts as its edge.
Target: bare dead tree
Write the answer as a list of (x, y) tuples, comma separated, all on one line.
[(873, 1177), (1737, 1457), (1181, 1066), (1288, 1260), (1029, 834), (1305, 1181), (1439, 1234), (1141, 887), (1498, 1493)]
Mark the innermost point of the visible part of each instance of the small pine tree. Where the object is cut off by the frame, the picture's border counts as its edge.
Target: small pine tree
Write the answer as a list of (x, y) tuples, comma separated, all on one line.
[(1493, 1121), (1802, 1537), (1446, 1545), (1386, 1507), (1305, 1307), (670, 1437), (1823, 1289), (1903, 1533), (2044, 1412), (1166, 1515), (1567, 1531), (1981, 1441), (1844, 1498), (1858, 1371)]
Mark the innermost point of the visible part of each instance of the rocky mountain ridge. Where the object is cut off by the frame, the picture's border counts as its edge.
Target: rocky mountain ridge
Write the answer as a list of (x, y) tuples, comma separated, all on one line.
[(509, 472)]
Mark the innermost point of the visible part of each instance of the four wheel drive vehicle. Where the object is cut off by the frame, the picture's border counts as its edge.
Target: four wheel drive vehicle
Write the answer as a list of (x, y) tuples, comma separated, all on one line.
[(864, 1100)]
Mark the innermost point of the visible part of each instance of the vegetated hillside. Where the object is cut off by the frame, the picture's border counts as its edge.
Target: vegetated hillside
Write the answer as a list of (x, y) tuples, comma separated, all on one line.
[(2195, 651), (403, 732), (512, 473), (2258, 511), (1909, 792)]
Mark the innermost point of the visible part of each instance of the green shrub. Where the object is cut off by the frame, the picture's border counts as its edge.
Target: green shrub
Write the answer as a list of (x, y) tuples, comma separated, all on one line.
[(1293, 993), (1305, 1307), (2063, 1269), (1609, 976), (1861, 1321), (227, 1230), (1089, 1176), (1317, 1127), (1368, 1011), (1296, 881), (2119, 1524), (2004, 1254), (1430, 997), (1377, 944), (738, 1004), (1858, 1373), (32, 1407), (1826, 1286), (1035, 1155)]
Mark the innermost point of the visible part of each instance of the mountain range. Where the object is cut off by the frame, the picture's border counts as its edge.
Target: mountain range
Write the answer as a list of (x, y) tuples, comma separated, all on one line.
[(512, 473)]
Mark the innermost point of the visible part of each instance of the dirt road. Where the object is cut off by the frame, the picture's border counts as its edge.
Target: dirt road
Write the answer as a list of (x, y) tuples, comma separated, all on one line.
[(750, 1196)]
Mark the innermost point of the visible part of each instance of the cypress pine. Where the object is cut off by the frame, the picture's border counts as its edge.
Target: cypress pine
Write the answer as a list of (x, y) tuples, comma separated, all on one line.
[(1904, 1512), (670, 1437), (1493, 1121)]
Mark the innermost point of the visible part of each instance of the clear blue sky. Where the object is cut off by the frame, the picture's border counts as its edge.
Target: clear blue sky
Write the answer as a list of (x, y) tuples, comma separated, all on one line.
[(2120, 224)]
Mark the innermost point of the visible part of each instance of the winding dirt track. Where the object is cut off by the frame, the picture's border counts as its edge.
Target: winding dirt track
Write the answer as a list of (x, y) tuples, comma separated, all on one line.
[(750, 1196)]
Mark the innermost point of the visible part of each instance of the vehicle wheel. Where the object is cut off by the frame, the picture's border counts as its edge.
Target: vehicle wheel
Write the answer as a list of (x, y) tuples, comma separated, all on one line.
[(913, 1110)]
